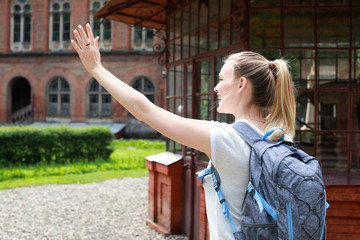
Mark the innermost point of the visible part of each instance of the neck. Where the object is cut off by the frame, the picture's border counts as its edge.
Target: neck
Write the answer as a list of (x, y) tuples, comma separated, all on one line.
[(253, 114)]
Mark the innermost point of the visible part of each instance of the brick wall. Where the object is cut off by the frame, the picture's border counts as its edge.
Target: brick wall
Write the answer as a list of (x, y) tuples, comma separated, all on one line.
[(40, 65), (343, 216)]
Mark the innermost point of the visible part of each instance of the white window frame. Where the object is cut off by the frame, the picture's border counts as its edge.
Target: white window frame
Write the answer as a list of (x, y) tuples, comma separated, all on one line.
[(61, 44), (20, 45), (143, 43)]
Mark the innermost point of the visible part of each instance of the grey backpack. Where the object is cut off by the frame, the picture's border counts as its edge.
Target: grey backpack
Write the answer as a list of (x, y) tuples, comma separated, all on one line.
[(286, 196)]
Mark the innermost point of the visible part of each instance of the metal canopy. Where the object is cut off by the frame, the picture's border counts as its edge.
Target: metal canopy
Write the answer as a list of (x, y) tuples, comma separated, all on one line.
[(149, 13)]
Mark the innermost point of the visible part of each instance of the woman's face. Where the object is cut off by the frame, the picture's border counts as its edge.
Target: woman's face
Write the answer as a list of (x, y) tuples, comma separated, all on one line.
[(226, 89)]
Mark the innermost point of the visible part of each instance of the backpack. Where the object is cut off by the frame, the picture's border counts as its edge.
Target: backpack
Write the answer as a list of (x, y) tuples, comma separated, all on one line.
[(286, 196)]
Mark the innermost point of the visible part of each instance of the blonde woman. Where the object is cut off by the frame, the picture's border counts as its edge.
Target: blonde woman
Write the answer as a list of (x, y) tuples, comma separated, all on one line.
[(251, 88)]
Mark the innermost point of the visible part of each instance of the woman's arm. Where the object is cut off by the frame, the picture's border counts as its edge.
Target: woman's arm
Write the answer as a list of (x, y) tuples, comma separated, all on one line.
[(190, 132)]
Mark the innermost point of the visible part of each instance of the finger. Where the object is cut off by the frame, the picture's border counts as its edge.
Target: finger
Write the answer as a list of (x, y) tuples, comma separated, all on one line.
[(96, 42), (79, 40), (75, 46), (90, 33), (83, 35)]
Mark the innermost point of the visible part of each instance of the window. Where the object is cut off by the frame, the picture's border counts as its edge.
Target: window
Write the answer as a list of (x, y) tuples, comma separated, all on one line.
[(99, 101), (101, 27), (146, 87), (143, 38), (21, 25), (60, 32), (59, 98)]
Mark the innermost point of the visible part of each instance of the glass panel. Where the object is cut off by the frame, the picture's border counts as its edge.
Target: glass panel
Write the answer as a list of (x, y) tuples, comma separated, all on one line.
[(149, 34), (170, 105), (203, 14), (213, 36), (178, 23), (268, 3), (265, 28), (225, 31), (355, 111), (356, 27), (66, 26), (355, 74), (299, 2), (189, 107), (106, 105), (56, 27), (355, 153), (107, 30), (148, 86), (54, 86), (333, 111), (179, 80), (333, 68), (94, 87), (185, 19), (53, 103), (299, 27), (302, 65), (333, 27), (185, 46), (27, 8), (205, 77), (225, 8), (205, 107), (17, 28), (203, 40), (64, 86), (332, 2), (171, 51), (193, 43), (137, 85), (27, 28), (306, 140), (194, 16), (170, 82), (189, 80), (65, 104), (270, 54), (332, 152), (93, 105), (67, 6), (305, 111), (213, 10), (170, 27), (177, 49), (179, 107), (151, 97), (138, 33)]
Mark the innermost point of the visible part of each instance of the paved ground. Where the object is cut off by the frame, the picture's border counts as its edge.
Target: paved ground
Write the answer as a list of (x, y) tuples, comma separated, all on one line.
[(113, 209)]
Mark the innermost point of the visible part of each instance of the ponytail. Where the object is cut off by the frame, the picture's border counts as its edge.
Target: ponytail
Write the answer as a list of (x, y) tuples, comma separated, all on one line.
[(283, 110), (273, 90)]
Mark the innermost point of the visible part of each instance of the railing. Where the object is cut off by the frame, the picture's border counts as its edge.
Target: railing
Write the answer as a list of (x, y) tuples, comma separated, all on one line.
[(22, 116)]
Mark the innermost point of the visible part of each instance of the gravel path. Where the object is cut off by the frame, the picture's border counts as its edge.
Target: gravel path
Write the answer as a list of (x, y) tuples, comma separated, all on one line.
[(113, 209)]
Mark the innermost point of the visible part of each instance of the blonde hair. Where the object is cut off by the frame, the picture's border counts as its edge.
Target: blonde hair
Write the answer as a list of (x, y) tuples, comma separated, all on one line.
[(273, 89)]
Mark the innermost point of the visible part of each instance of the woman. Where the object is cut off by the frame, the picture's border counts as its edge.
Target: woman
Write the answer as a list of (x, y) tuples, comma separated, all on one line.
[(251, 88)]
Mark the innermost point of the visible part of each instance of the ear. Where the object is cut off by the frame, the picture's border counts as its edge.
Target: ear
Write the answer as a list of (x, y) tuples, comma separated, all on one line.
[(242, 84)]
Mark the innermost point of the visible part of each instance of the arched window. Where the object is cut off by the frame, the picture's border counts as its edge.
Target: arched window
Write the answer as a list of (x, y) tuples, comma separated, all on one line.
[(143, 38), (99, 101), (59, 98), (101, 27), (21, 25), (60, 32), (146, 87)]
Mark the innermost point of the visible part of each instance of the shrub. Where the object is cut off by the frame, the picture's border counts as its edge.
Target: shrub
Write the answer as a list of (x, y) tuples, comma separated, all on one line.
[(28, 145)]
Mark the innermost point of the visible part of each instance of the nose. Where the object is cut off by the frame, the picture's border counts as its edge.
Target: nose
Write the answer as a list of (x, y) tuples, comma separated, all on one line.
[(216, 88)]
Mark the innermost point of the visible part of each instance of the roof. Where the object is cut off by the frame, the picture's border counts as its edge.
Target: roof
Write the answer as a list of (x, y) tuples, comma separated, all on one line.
[(148, 13)]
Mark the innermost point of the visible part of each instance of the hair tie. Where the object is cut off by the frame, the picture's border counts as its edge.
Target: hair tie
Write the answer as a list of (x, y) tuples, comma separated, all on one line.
[(273, 69)]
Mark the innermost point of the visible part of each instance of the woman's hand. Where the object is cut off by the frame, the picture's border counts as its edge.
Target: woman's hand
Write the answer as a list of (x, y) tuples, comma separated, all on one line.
[(87, 47)]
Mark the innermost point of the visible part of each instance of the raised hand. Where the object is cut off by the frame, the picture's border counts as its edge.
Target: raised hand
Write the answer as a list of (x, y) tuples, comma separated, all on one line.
[(87, 47)]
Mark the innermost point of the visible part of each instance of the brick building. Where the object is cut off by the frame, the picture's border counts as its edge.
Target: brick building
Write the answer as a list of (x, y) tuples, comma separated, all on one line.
[(41, 76), (322, 41)]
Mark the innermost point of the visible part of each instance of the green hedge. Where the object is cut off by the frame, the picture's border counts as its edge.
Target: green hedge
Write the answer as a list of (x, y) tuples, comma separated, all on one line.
[(27, 145)]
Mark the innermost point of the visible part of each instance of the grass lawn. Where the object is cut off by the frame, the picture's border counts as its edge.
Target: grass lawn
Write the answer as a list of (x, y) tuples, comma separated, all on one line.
[(73, 178), (126, 160)]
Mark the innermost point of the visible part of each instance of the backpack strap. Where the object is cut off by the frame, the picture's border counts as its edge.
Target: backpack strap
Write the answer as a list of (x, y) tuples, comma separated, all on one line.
[(247, 132), (225, 210)]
